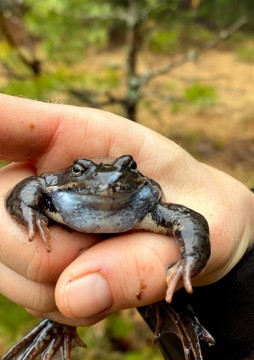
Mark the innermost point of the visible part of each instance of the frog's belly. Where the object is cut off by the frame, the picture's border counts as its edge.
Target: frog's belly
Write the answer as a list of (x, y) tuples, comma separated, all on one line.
[(96, 215)]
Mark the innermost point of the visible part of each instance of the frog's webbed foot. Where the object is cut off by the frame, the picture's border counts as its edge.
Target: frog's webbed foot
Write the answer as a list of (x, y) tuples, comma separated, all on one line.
[(37, 221), (166, 318), (180, 270), (46, 340)]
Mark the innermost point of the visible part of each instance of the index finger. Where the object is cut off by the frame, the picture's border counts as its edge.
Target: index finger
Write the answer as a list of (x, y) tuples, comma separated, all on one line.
[(53, 135)]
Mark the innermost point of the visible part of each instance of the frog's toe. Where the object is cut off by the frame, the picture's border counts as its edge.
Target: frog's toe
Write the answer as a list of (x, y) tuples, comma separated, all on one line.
[(36, 221), (42, 225), (181, 270), (46, 340)]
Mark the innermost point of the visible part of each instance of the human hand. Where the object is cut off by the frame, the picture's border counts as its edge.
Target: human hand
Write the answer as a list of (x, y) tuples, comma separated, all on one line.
[(83, 279)]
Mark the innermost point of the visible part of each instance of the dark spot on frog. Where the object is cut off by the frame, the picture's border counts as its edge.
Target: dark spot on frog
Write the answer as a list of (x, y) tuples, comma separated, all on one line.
[(31, 126), (109, 198)]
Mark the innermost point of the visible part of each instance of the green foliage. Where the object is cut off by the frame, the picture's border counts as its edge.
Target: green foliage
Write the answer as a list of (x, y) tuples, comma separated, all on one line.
[(33, 88), (55, 84), (200, 94), (119, 326), (14, 321), (147, 353), (222, 13), (178, 36), (64, 27), (198, 34), (41, 87), (108, 78), (5, 50), (164, 40)]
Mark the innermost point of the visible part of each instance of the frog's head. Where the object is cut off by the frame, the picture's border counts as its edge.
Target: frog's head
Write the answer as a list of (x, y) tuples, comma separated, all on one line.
[(99, 196), (101, 178)]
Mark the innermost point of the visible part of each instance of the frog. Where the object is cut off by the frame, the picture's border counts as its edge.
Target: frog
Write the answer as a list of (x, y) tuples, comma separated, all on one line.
[(112, 196)]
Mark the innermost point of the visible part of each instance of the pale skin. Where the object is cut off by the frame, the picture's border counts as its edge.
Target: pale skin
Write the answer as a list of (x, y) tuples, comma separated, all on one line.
[(42, 137)]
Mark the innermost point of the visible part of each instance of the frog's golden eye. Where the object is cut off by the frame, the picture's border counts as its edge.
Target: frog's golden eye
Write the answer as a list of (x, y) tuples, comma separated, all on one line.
[(77, 169), (132, 165)]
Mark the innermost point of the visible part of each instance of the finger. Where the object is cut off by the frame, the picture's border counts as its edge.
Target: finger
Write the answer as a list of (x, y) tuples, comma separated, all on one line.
[(24, 292), (122, 272), (53, 135), (33, 261), (22, 121)]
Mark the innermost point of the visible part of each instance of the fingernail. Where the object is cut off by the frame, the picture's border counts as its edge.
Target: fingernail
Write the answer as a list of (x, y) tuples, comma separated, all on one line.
[(87, 296)]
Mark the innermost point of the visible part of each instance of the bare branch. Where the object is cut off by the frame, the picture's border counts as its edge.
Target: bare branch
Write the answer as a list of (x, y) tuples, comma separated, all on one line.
[(91, 98), (194, 53), (134, 18)]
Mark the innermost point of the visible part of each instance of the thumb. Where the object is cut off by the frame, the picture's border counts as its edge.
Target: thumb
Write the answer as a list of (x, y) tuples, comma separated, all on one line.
[(121, 272)]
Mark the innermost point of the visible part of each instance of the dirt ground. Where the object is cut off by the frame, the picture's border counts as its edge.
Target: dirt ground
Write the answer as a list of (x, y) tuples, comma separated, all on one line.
[(221, 134)]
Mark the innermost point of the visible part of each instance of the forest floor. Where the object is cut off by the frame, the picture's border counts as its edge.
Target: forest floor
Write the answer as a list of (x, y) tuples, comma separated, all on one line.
[(215, 122), (222, 133)]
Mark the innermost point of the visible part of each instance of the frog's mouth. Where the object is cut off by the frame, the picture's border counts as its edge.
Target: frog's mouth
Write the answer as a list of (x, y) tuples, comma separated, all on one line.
[(114, 192), (103, 197), (66, 201)]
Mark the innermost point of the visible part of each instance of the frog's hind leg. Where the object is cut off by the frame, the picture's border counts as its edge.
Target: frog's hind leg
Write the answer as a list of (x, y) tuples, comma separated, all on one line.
[(46, 340), (179, 319), (23, 345)]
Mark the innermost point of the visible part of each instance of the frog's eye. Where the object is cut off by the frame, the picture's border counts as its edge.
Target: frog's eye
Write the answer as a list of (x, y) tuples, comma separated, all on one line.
[(77, 169), (132, 165)]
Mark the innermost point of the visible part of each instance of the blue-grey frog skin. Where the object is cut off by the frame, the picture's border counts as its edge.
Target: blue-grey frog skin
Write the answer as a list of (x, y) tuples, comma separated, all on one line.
[(109, 197)]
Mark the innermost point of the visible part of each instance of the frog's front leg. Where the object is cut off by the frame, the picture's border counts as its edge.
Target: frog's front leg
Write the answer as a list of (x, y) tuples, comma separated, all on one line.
[(24, 204), (190, 230)]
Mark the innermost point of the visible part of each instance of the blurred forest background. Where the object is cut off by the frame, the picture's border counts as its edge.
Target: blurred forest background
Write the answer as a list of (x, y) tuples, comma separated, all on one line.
[(183, 68)]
